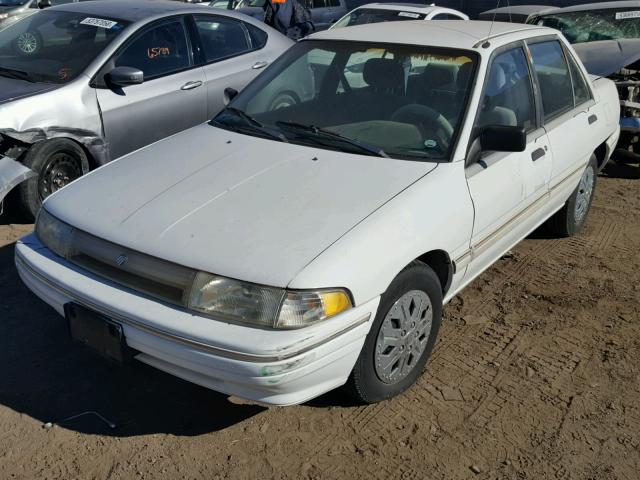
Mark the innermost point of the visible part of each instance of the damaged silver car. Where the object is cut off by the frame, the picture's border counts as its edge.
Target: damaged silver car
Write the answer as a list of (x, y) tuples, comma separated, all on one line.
[(85, 83)]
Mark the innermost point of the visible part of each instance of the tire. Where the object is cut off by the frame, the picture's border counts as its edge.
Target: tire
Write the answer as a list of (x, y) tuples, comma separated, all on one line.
[(57, 163), (376, 375), (283, 100), (569, 220)]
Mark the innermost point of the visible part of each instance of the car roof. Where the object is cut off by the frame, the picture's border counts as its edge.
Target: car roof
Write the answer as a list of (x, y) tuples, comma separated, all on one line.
[(407, 7), (129, 10), (521, 9), (461, 34), (600, 6)]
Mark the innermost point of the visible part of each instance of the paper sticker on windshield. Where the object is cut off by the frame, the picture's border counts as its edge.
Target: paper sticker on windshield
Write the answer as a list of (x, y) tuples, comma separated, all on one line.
[(99, 22), (409, 14), (626, 15)]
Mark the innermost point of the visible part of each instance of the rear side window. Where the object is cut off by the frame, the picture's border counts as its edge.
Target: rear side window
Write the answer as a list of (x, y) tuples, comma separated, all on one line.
[(554, 78), (258, 36), (446, 16), (581, 92), (159, 51), (508, 95), (222, 37)]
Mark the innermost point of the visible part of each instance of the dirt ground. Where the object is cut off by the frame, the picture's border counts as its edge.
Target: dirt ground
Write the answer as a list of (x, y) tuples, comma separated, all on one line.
[(535, 376)]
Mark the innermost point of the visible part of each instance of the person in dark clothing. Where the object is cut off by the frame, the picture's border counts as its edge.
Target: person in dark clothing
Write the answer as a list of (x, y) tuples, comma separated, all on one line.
[(289, 17)]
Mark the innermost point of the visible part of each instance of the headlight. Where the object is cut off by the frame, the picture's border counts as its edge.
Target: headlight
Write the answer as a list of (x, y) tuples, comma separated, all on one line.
[(54, 234), (264, 306)]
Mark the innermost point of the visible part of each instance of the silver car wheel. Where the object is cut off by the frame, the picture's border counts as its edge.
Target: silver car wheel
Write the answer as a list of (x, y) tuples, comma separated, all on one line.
[(403, 336), (27, 42), (583, 198)]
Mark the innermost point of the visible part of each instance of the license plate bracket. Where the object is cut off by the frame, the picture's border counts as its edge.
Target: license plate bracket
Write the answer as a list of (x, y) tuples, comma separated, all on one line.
[(98, 332)]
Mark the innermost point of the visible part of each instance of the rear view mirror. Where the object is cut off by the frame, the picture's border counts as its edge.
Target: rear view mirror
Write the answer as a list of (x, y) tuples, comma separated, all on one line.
[(124, 76), (498, 138), (44, 3), (229, 94)]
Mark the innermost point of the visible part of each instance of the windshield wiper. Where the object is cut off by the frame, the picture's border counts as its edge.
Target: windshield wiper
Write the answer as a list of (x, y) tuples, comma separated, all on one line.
[(321, 132), (17, 74), (250, 122)]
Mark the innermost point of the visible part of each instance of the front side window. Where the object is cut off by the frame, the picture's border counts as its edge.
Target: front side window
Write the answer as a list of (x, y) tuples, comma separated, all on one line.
[(159, 51), (221, 37), (363, 16), (594, 25), (553, 75), (54, 46), (508, 95), (353, 97)]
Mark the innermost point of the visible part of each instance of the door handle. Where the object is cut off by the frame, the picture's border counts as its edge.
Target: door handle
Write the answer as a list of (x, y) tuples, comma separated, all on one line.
[(191, 85), (593, 119), (538, 154), (258, 65)]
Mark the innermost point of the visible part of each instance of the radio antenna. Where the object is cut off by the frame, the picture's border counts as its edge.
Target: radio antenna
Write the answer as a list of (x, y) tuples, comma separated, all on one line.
[(493, 19)]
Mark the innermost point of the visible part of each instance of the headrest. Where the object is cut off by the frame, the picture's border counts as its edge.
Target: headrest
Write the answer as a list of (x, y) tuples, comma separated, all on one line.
[(439, 74), (464, 75), (383, 73), (497, 80)]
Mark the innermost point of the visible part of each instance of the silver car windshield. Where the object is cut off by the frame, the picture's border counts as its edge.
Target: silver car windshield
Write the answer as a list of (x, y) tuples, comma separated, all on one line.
[(594, 25), (54, 46), (398, 101)]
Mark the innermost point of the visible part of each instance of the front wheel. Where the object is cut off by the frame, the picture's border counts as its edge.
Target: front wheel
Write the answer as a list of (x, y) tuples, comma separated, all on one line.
[(57, 163), (572, 217), (401, 338)]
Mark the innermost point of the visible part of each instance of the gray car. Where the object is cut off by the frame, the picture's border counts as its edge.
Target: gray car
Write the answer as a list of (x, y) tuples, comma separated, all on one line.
[(85, 83)]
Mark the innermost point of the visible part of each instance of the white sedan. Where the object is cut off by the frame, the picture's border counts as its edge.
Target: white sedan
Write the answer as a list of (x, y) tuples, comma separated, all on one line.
[(278, 253), (396, 12)]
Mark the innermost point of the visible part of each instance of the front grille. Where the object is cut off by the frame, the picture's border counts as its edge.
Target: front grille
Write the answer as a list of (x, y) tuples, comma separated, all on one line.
[(150, 275)]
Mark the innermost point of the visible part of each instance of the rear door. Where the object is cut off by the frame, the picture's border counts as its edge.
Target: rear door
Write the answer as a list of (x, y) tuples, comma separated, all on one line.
[(508, 189), (172, 97), (232, 52)]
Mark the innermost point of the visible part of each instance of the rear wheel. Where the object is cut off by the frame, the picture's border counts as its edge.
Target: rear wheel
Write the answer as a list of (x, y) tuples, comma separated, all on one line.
[(401, 338), (571, 218), (57, 163)]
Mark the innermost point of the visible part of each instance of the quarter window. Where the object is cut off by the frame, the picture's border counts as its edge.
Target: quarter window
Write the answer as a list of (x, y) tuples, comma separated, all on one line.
[(508, 95), (580, 89), (553, 75), (159, 51), (221, 37), (258, 36)]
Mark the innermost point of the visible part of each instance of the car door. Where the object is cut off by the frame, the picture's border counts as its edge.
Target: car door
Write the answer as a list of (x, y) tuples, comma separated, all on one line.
[(232, 52), (568, 109), (172, 97), (508, 189), (325, 12)]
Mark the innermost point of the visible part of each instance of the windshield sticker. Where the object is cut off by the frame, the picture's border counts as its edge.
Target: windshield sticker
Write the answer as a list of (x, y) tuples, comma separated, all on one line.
[(99, 22), (156, 52), (627, 15), (64, 73), (409, 14)]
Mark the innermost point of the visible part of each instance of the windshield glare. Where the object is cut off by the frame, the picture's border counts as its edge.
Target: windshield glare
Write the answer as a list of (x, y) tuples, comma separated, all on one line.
[(594, 25), (402, 101), (54, 47), (362, 16)]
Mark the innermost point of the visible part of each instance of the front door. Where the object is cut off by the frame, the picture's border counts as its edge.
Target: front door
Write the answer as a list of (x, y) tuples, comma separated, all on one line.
[(171, 99), (508, 189)]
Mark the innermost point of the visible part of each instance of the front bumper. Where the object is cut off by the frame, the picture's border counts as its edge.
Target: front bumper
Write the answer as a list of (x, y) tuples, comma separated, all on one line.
[(279, 367)]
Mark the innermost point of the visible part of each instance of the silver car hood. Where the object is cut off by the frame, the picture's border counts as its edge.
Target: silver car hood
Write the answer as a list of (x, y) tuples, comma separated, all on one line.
[(606, 57), (13, 89), (239, 206)]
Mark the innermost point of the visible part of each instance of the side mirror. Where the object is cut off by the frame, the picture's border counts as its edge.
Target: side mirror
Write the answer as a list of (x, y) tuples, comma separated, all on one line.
[(229, 94), (497, 138), (124, 76), (44, 3)]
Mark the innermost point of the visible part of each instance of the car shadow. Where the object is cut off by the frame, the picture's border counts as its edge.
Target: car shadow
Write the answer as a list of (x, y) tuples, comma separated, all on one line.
[(622, 170), (45, 375)]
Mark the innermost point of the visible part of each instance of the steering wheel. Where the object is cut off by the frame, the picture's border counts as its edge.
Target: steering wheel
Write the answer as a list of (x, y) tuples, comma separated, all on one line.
[(435, 129)]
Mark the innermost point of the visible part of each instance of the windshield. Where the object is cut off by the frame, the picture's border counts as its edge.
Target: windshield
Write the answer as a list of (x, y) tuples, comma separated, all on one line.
[(374, 99), (594, 25), (250, 3), (54, 46), (12, 3), (362, 16)]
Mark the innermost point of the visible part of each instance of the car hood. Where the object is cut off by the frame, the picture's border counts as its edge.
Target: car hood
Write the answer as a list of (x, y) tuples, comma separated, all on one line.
[(606, 57), (12, 89), (239, 206)]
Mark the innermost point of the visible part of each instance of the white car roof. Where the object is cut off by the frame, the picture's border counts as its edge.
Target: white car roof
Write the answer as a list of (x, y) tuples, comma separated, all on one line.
[(409, 7), (462, 34)]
